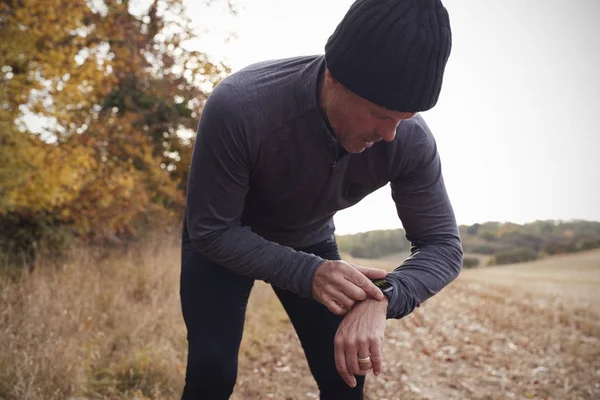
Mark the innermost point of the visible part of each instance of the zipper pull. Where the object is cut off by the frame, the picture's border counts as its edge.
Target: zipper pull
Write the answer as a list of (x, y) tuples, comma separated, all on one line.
[(336, 156)]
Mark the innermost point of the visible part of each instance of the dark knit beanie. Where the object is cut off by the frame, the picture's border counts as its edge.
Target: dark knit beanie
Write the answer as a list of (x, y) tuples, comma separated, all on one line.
[(392, 52)]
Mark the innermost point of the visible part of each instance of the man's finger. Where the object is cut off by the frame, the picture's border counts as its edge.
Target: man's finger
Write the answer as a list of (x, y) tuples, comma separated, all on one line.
[(365, 367), (340, 363), (369, 287), (335, 308), (352, 361), (376, 357), (344, 300), (363, 360), (371, 273), (352, 290)]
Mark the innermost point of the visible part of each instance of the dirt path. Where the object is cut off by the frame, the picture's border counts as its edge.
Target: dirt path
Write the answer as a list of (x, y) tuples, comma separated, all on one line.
[(490, 335)]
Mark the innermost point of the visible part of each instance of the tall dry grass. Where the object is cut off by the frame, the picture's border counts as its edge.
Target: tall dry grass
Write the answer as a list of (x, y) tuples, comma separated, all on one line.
[(95, 327), (109, 326)]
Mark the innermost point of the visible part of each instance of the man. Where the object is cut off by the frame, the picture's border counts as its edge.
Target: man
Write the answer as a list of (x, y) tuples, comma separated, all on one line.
[(282, 145)]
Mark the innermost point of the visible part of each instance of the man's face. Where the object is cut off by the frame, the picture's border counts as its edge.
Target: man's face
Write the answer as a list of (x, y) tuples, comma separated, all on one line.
[(358, 123)]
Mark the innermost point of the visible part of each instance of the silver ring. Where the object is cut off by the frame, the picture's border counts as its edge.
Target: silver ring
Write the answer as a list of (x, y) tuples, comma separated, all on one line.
[(365, 360)]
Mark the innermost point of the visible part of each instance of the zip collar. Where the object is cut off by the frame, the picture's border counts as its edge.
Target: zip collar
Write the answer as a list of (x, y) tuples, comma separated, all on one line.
[(307, 92)]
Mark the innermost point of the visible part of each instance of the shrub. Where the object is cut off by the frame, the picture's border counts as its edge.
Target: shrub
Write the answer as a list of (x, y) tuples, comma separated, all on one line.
[(483, 248), (23, 240), (513, 256), (590, 244), (470, 262)]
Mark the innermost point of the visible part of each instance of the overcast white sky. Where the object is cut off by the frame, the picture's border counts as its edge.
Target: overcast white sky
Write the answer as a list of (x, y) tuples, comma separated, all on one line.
[(517, 123)]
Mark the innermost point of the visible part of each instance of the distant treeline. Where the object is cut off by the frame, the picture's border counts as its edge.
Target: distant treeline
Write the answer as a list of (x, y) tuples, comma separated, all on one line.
[(502, 243)]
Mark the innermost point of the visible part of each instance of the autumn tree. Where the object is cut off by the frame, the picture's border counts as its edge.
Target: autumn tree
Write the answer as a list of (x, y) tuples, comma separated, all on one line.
[(118, 92)]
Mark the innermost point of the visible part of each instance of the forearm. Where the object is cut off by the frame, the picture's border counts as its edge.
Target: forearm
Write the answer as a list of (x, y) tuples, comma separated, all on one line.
[(428, 218), (246, 253), (427, 271)]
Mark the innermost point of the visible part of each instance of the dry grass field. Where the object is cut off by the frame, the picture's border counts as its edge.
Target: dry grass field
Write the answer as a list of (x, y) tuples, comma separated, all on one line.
[(112, 329)]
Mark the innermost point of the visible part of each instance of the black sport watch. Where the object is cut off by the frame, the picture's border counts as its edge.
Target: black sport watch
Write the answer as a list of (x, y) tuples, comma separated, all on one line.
[(385, 287)]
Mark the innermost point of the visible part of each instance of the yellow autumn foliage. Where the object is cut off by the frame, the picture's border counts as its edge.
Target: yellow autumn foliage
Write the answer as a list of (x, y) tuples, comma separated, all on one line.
[(112, 90), (45, 177)]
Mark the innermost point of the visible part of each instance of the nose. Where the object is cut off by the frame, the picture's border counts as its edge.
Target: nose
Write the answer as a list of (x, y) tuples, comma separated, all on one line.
[(388, 131)]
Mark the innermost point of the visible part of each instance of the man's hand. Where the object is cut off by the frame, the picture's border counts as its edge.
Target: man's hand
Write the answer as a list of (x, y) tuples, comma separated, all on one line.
[(338, 285), (360, 336)]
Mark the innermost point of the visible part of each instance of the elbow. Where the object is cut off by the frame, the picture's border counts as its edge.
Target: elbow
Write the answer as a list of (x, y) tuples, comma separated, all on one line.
[(455, 255), (217, 243), (209, 244), (202, 239), (458, 260), (200, 243)]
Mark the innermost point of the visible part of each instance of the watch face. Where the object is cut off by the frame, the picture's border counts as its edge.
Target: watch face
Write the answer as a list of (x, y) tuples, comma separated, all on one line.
[(383, 285)]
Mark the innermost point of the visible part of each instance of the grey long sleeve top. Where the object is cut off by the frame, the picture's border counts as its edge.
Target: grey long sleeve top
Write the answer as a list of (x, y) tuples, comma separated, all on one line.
[(267, 176)]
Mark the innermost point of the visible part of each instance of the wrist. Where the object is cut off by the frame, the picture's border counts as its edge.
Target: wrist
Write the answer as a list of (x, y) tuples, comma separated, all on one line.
[(377, 303), (384, 303)]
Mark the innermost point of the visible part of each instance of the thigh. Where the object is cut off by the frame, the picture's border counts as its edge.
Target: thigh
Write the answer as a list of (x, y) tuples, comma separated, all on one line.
[(213, 298), (213, 302)]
